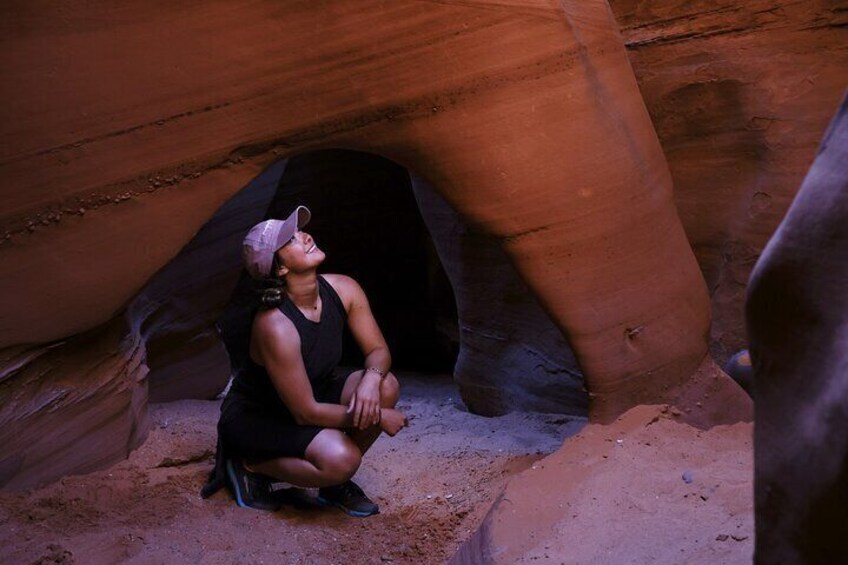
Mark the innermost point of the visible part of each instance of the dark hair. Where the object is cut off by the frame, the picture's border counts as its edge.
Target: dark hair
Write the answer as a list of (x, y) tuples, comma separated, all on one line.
[(271, 291)]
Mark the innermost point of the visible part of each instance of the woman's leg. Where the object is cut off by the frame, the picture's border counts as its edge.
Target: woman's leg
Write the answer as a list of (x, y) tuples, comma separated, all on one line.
[(330, 459), (389, 394)]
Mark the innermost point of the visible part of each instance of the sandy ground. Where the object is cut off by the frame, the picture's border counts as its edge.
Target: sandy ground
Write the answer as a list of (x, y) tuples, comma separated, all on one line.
[(434, 482), (645, 489)]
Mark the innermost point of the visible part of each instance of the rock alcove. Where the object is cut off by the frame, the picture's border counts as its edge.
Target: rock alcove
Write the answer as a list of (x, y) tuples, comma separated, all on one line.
[(181, 335), (376, 222)]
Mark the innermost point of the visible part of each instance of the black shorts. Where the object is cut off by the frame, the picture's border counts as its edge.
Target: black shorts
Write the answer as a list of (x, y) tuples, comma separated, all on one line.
[(258, 432)]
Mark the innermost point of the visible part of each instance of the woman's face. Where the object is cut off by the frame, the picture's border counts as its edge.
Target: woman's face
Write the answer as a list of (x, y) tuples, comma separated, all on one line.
[(300, 253)]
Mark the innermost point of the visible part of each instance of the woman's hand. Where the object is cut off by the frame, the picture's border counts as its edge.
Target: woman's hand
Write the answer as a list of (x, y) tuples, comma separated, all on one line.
[(365, 402), (392, 421)]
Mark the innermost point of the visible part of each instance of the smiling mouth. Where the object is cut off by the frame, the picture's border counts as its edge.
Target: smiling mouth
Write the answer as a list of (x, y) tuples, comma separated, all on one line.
[(311, 249)]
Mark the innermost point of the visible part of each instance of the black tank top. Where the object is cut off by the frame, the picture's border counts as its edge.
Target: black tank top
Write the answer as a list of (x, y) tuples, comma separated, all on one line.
[(320, 346)]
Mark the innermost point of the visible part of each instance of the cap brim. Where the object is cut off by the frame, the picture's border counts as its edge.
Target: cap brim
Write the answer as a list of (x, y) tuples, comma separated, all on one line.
[(297, 219)]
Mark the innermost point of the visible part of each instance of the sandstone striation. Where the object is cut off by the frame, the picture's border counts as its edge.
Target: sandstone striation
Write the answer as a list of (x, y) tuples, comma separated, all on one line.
[(72, 406), (740, 93), (526, 119)]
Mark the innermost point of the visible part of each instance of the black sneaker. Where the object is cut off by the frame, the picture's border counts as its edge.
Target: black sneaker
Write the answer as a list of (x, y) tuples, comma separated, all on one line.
[(349, 498), (294, 496), (250, 490)]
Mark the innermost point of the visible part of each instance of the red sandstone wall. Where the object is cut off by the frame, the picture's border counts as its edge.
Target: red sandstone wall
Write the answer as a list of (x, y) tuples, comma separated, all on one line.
[(124, 127), (740, 94)]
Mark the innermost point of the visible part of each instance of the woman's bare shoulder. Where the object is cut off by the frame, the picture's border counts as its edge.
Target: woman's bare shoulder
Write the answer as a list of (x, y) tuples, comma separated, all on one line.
[(346, 287), (273, 324), (337, 279)]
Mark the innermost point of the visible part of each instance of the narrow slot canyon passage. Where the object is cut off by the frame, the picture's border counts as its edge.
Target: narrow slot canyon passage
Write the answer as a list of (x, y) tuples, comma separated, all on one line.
[(668, 177)]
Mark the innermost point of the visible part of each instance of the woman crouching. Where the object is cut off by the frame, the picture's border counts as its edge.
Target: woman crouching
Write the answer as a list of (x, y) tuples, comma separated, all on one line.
[(287, 417)]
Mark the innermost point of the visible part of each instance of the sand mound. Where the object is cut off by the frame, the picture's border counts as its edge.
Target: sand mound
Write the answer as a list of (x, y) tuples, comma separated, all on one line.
[(646, 489)]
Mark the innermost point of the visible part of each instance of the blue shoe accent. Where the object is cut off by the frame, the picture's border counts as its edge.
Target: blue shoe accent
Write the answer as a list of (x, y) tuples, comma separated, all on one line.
[(250, 490), (235, 484)]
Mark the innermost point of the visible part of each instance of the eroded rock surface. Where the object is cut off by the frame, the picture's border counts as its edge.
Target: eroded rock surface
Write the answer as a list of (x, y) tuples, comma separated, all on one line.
[(551, 72), (511, 355), (740, 93), (178, 309), (798, 320), (104, 147), (72, 406)]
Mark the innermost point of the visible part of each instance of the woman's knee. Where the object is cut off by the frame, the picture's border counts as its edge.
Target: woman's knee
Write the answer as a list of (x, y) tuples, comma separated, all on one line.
[(344, 463), (389, 391), (335, 455)]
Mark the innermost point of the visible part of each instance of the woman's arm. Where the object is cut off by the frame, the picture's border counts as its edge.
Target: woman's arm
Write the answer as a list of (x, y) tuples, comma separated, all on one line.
[(276, 344), (365, 403)]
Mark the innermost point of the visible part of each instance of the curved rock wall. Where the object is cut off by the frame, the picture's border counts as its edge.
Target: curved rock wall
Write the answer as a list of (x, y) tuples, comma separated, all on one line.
[(798, 319), (511, 357), (178, 309), (72, 406), (740, 93), (527, 119)]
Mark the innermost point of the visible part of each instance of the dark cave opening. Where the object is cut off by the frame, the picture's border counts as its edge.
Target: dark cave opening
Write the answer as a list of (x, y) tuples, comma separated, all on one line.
[(365, 217), (434, 283)]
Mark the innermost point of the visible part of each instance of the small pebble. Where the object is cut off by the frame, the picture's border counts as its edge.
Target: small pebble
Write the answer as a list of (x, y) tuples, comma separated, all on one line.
[(687, 477)]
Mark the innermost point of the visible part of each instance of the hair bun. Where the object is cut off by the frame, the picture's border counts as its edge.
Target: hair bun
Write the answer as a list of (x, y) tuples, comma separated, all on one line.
[(272, 294), (272, 297)]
